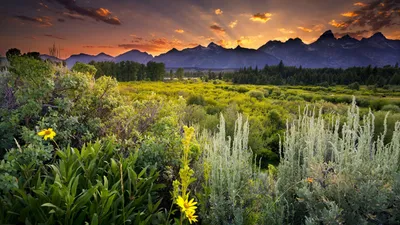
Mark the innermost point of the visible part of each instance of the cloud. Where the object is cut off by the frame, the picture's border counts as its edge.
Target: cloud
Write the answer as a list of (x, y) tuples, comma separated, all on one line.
[(100, 14), (261, 17), (43, 21), (73, 16), (284, 31), (349, 14), (155, 45), (218, 11), (103, 12), (54, 36), (356, 34), (374, 16), (281, 39), (338, 24), (43, 5), (61, 20), (248, 40), (233, 24), (217, 29), (180, 31), (137, 39), (31, 37), (318, 27), (359, 4), (98, 46), (305, 29), (225, 43), (394, 36)]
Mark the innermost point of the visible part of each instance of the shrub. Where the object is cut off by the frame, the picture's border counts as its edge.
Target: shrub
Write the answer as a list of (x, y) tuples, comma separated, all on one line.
[(84, 68), (338, 173), (259, 95), (242, 89), (227, 170), (354, 86), (93, 185), (196, 100), (294, 98), (391, 107)]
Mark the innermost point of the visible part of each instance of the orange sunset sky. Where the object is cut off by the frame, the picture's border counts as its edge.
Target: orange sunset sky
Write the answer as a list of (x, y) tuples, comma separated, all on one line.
[(155, 26)]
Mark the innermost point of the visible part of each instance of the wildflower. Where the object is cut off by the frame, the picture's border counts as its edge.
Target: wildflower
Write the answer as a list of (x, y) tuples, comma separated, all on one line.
[(310, 180), (47, 133), (191, 217), (186, 206)]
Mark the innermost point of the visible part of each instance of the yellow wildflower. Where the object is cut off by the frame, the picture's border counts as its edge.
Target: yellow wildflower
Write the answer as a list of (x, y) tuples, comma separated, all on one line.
[(47, 133), (310, 180), (191, 217), (186, 206)]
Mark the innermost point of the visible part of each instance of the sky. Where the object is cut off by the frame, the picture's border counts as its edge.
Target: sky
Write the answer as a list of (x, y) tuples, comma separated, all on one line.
[(156, 26)]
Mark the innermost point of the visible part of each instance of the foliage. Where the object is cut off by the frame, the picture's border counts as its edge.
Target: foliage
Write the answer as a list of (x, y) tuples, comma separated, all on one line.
[(280, 74), (180, 72), (93, 185), (76, 151), (84, 68), (339, 173), (130, 71), (354, 86), (227, 170)]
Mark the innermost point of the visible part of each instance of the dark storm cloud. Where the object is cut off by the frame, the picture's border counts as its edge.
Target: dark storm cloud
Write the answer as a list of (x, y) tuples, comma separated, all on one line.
[(73, 16), (376, 15), (217, 28), (42, 21), (261, 17), (99, 14), (54, 36)]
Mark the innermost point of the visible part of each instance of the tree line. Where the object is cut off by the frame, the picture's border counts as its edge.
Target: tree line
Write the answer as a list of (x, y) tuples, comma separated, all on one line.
[(290, 75), (130, 71)]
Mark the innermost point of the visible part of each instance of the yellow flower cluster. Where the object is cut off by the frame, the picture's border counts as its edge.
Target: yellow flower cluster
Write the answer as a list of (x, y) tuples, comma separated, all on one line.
[(47, 134), (186, 177), (187, 207)]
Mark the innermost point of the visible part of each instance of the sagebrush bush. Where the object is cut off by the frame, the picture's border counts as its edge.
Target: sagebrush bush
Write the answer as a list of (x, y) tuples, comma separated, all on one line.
[(227, 170), (335, 173)]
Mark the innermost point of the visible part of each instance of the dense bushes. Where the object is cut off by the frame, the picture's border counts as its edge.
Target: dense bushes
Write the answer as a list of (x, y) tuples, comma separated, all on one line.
[(113, 160), (96, 185), (339, 173)]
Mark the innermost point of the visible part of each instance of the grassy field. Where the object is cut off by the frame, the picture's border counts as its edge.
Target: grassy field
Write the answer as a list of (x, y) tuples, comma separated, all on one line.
[(267, 107), (76, 149)]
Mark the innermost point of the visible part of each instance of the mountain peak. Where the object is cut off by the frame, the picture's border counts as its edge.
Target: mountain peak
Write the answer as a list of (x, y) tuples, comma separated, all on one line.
[(213, 45), (238, 47), (347, 37), (173, 50), (295, 41), (103, 54), (327, 35), (378, 35)]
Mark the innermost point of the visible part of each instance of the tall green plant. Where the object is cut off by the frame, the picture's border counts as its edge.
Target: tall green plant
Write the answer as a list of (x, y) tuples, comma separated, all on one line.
[(335, 173), (227, 170), (94, 185)]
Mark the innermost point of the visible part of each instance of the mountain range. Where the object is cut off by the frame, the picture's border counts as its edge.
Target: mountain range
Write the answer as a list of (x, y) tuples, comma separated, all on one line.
[(326, 51)]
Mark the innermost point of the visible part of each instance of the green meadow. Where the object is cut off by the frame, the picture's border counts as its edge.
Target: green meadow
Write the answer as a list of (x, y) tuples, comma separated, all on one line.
[(81, 148)]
